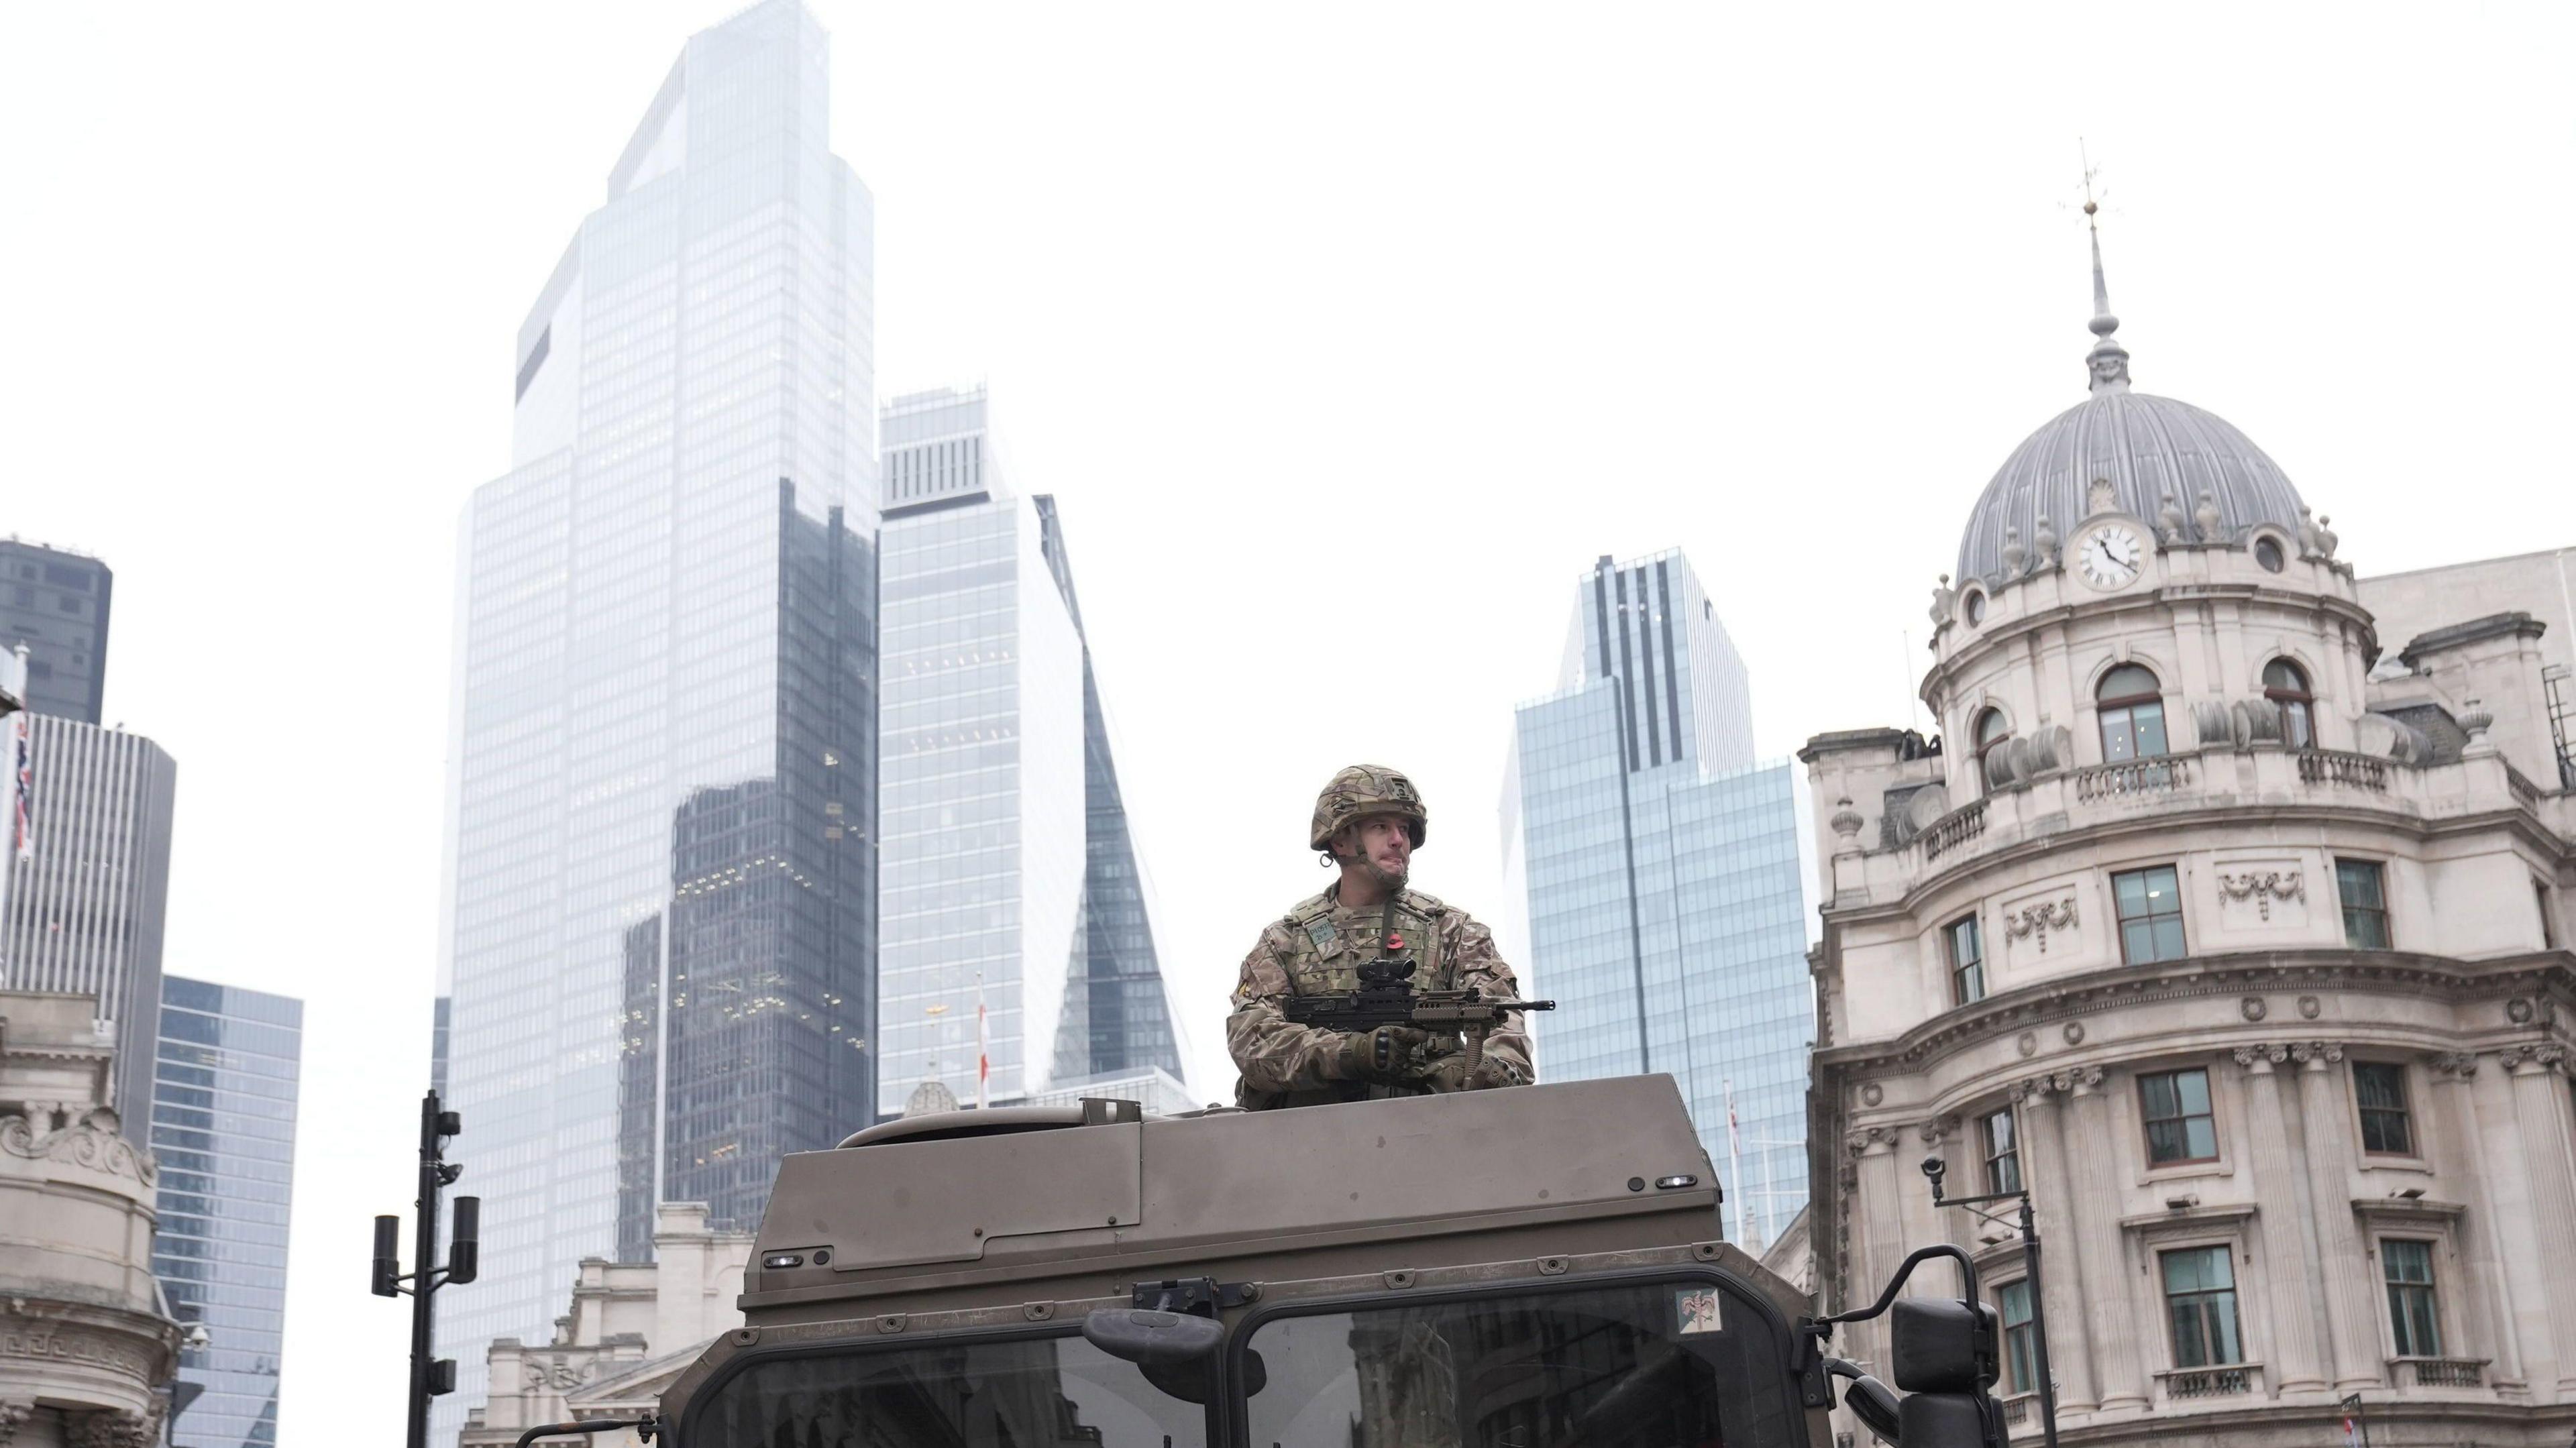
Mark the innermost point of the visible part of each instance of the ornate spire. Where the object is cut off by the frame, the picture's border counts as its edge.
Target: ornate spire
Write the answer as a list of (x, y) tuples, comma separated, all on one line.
[(2108, 361)]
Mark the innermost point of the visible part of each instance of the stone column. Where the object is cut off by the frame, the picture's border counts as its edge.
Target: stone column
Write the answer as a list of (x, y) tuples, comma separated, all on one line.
[(1882, 1231), (2112, 1315), (2454, 1130), (2291, 1355), (2352, 1317), (2052, 1193), (2538, 1096)]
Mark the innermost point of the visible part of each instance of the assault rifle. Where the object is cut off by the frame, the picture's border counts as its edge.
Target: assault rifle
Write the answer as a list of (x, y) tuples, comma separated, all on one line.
[(1386, 997)]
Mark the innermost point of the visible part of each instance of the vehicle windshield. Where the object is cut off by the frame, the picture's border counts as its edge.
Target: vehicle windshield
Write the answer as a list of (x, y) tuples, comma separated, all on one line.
[(1052, 1392), (1643, 1365)]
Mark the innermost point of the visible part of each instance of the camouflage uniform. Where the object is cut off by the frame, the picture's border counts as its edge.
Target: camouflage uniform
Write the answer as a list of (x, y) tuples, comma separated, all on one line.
[(1316, 948)]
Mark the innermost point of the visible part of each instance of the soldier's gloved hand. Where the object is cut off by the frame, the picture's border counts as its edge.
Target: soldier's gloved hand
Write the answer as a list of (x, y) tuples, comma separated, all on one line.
[(1450, 1073), (1384, 1055)]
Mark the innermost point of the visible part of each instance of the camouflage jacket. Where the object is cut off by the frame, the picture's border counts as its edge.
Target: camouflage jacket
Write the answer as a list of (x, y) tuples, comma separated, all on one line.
[(1315, 949)]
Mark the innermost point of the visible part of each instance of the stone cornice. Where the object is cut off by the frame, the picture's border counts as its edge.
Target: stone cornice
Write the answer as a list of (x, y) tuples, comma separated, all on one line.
[(2170, 596), (2541, 973)]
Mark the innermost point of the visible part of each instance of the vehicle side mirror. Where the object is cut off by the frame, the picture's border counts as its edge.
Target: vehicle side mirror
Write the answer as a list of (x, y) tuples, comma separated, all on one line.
[(1944, 1354), (1176, 1351)]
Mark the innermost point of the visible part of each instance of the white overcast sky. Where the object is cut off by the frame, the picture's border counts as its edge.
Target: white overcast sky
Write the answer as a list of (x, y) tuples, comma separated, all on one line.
[(1347, 336)]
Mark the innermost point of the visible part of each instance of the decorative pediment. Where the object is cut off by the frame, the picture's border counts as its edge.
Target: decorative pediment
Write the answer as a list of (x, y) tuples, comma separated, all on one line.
[(92, 1142)]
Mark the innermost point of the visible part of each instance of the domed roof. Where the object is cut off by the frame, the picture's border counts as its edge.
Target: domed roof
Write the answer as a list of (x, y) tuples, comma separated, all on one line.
[(2146, 448)]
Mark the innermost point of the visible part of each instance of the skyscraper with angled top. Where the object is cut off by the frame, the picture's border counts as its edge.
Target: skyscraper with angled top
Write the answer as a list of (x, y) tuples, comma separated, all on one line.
[(1011, 882), (660, 916), (1655, 862)]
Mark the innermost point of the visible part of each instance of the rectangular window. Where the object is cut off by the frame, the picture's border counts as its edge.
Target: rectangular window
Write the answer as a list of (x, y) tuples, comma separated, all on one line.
[(2180, 1127), (2412, 1313), (2150, 905), (1967, 961), (2380, 1087), (2365, 903), (2003, 1153), (2200, 1303), (2021, 1357)]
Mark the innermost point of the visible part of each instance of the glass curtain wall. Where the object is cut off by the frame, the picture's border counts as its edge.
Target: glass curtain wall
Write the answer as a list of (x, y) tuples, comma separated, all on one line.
[(223, 1126), (662, 799), (1661, 872)]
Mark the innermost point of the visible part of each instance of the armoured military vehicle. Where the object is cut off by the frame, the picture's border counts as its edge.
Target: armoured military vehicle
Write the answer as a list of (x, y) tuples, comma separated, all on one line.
[(1530, 1268)]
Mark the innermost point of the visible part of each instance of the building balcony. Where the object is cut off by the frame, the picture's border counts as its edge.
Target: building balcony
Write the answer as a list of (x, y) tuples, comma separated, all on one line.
[(2021, 1414), (2186, 1387), (2440, 1373)]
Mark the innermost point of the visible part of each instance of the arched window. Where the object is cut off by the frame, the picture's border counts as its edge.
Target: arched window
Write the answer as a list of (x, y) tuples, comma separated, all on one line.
[(2133, 715), (2286, 685), (1991, 731)]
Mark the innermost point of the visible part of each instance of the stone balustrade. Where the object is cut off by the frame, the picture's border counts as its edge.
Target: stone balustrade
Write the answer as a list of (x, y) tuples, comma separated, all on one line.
[(2438, 1372), (2182, 1387)]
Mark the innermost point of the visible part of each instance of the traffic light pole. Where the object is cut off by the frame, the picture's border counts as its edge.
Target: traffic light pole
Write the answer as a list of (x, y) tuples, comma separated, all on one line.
[(1932, 1169), (430, 1377)]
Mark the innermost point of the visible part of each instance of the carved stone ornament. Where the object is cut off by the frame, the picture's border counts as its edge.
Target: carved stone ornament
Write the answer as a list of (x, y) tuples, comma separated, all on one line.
[(2477, 719), (2266, 1057), (2518, 1010), (1872, 1094), (90, 1142), (2207, 517), (113, 1429), (2456, 1065), (2082, 1078), (1937, 1130), (2543, 1056), (2317, 1053), (2170, 517), (2014, 551), (1869, 1138), (1846, 820), (2253, 1008), (2039, 919), (2310, 1008), (2074, 1033), (1944, 598), (2028, 1045), (13, 1416), (2262, 887), (2044, 538), (2100, 497)]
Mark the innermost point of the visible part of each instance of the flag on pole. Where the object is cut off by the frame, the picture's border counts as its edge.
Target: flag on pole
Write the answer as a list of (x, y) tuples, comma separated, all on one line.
[(22, 788), (983, 1050)]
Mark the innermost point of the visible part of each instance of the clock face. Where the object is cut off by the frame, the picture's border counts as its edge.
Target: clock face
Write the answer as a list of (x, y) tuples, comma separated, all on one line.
[(2110, 557)]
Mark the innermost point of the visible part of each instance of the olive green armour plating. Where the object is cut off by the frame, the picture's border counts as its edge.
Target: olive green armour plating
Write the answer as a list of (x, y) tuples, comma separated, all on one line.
[(1317, 949)]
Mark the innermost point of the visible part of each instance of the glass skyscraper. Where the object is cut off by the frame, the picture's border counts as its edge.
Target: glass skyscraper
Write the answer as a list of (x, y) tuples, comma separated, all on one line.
[(1658, 867), (663, 793), (223, 1126), (1010, 877)]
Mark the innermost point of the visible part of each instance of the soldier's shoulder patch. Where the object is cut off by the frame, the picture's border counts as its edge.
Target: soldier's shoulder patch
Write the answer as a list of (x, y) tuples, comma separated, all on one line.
[(1320, 930)]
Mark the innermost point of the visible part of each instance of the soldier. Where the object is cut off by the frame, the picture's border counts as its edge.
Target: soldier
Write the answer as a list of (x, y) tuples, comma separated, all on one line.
[(1369, 821)]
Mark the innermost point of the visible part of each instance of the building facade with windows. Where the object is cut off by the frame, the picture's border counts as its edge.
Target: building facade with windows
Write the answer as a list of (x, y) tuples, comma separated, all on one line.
[(658, 946), (223, 1128), (82, 908), (1656, 870), (1010, 882), (55, 602), (2237, 936)]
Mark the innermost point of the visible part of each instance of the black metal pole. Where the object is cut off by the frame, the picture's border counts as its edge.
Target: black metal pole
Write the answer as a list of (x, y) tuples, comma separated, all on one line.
[(424, 1251), (1932, 1170), (2038, 1324)]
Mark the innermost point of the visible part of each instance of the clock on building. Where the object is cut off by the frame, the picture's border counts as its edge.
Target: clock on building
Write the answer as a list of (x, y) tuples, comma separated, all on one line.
[(2110, 556)]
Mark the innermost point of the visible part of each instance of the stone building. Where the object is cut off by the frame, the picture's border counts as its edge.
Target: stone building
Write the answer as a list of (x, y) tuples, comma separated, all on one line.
[(87, 1346), (2233, 930), (633, 1329)]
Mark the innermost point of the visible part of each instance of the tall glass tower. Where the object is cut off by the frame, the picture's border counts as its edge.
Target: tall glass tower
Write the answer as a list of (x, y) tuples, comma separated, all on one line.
[(1010, 877), (1658, 867), (662, 799), (223, 1126)]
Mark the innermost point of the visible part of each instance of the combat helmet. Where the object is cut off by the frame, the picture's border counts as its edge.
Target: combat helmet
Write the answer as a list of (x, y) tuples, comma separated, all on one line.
[(1368, 789)]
